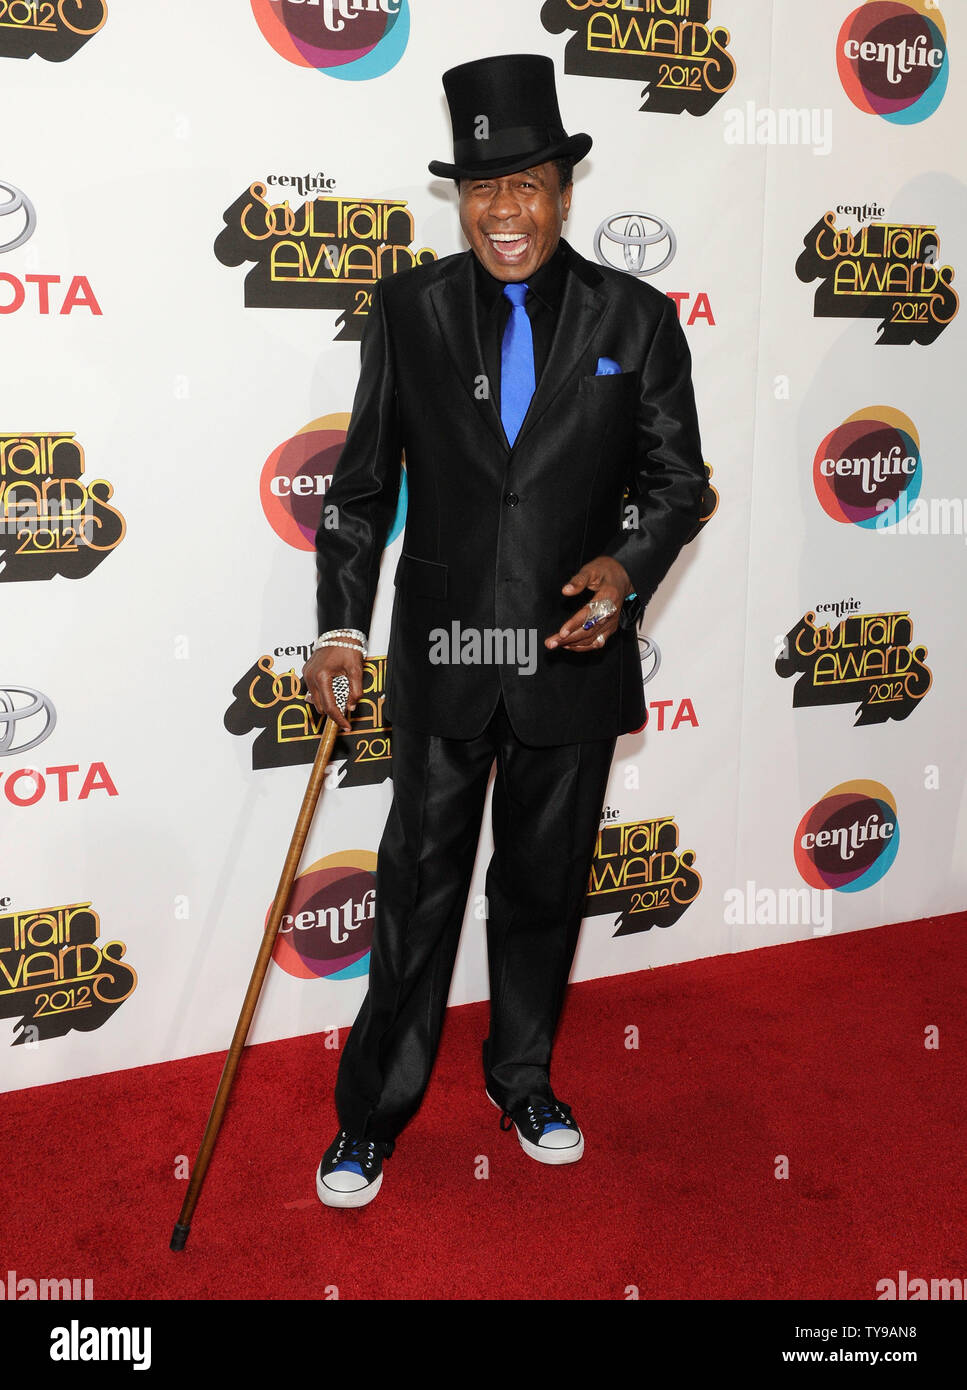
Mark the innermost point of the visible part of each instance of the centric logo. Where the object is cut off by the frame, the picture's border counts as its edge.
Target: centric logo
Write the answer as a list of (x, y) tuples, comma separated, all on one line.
[(849, 839), (296, 478), (868, 471), (328, 929), (350, 39), (21, 709), (642, 251), (892, 59), (17, 206)]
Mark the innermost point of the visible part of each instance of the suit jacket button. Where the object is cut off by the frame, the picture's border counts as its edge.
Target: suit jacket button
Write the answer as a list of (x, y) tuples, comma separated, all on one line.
[(511, 499)]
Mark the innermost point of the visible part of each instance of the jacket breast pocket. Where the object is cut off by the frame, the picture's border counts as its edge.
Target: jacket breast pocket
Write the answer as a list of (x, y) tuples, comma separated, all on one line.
[(608, 406), (424, 577), (613, 386)]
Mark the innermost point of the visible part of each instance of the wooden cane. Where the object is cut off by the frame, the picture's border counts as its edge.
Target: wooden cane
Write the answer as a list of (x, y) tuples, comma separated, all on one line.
[(340, 688)]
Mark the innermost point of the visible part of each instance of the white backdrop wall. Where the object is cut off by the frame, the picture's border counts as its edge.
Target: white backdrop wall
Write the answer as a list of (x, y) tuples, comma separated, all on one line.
[(164, 829)]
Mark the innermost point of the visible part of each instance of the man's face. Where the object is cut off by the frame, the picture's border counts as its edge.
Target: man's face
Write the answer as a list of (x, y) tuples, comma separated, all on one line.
[(513, 224)]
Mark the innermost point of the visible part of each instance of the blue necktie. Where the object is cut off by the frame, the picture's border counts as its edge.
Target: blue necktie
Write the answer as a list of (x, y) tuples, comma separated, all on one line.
[(516, 363)]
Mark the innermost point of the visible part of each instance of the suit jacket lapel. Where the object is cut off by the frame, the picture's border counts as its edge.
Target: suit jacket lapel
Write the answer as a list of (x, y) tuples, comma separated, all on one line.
[(455, 304), (582, 309)]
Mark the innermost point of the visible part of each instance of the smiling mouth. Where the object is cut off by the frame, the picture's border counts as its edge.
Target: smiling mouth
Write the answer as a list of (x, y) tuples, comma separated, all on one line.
[(509, 247)]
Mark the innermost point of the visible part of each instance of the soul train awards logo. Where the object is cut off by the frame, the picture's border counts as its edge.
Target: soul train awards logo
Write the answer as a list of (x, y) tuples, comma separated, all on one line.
[(892, 59), (668, 46), (327, 254), (867, 659), (867, 471), (277, 703), (296, 477), (350, 39), (849, 839), (640, 874), (327, 931), (885, 270), (51, 523), (54, 976), (53, 29)]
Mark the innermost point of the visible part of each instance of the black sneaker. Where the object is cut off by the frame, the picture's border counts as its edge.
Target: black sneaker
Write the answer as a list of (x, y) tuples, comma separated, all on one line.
[(351, 1171), (546, 1129)]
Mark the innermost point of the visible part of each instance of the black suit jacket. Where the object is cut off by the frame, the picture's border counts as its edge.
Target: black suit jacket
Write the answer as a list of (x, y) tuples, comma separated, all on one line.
[(493, 532)]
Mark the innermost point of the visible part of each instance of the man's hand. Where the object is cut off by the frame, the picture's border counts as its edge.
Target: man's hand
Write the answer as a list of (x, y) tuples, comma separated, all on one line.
[(318, 673), (606, 578)]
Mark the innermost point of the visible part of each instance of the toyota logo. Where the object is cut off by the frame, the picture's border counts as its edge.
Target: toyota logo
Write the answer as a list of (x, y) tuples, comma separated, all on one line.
[(650, 654), (640, 239), (21, 709), (12, 202)]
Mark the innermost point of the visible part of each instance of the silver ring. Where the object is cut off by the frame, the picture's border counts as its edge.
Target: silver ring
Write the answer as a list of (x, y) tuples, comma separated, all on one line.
[(601, 608)]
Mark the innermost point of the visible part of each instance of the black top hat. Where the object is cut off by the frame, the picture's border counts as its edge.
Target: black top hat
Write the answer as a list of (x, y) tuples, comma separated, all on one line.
[(516, 96)]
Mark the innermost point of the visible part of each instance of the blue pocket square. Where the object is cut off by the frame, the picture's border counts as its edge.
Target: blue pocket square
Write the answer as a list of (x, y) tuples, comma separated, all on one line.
[(607, 366)]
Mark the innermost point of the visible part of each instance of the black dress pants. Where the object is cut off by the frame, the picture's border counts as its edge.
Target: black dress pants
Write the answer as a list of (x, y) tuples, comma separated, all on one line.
[(546, 806)]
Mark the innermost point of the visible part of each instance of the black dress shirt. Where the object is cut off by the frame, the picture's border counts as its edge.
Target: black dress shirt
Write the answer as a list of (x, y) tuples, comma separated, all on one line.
[(545, 289)]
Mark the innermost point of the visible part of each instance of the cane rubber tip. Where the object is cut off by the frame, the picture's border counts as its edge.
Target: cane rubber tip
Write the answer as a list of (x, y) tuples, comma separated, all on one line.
[(179, 1236)]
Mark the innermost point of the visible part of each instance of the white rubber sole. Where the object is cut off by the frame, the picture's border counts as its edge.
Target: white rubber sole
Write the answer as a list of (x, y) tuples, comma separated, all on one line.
[(360, 1198), (555, 1156)]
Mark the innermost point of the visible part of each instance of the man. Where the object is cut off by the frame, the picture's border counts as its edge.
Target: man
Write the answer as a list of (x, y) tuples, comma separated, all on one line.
[(554, 470)]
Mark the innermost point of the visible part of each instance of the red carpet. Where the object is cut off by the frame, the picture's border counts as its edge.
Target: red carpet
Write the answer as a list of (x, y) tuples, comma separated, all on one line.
[(814, 1051)]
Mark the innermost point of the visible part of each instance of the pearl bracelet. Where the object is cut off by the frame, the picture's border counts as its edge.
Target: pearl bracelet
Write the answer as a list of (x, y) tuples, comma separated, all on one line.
[(323, 639), (350, 646)]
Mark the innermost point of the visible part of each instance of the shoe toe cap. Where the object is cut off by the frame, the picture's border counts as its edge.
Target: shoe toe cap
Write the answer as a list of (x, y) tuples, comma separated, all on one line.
[(347, 1178), (560, 1139)]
